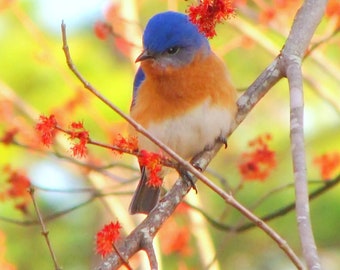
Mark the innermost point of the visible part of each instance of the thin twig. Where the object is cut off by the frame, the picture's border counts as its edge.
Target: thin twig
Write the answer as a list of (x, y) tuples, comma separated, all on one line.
[(286, 209), (280, 212), (103, 169), (49, 217), (125, 262), (319, 89), (323, 41), (44, 231), (151, 254)]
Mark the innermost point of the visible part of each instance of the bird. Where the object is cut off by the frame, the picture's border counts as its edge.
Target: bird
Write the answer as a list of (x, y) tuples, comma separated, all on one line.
[(182, 95)]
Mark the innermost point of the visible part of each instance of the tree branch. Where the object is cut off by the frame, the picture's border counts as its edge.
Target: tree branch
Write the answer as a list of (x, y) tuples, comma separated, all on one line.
[(306, 20), (326, 186), (44, 231)]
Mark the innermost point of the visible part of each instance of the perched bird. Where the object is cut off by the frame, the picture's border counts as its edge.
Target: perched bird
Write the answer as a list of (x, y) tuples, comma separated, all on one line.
[(182, 95)]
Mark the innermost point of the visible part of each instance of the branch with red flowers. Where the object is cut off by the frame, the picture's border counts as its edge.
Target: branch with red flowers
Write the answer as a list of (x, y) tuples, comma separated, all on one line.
[(48, 126)]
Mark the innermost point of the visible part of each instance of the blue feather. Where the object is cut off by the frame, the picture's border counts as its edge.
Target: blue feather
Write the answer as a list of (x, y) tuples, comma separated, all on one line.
[(169, 29), (139, 78)]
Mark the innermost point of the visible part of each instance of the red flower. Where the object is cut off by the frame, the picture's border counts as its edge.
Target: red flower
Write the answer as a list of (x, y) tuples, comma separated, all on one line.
[(79, 149), (182, 208), (333, 9), (258, 163), (329, 164), (47, 129), (78, 132), (19, 184), (102, 30), (153, 163), (107, 237), (8, 137), (17, 189), (129, 145), (179, 240), (208, 13), (77, 125), (268, 15)]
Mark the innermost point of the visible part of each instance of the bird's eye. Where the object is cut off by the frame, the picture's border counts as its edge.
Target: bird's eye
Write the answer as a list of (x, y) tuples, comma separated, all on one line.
[(172, 50)]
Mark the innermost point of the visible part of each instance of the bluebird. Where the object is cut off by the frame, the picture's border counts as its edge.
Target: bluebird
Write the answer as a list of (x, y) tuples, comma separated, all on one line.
[(181, 94)]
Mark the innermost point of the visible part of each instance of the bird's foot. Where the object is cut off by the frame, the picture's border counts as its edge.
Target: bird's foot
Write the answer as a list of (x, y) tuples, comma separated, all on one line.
[(188, 177), (222, 139)]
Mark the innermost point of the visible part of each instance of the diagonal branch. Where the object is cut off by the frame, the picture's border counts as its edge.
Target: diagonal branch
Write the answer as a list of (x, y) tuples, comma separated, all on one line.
[(140, 238)]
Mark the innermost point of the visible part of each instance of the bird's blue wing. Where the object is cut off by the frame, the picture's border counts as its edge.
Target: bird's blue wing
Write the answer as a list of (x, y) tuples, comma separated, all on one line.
[(139, 78)]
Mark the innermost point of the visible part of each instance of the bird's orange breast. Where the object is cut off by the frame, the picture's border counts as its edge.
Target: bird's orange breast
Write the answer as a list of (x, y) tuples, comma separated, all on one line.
[(170, 92)]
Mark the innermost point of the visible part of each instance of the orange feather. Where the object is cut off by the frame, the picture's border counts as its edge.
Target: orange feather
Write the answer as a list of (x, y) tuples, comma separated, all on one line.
[(169, 92)]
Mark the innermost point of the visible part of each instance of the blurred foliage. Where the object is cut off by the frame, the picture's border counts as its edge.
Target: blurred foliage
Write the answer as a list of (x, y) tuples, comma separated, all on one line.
[(33, 67)]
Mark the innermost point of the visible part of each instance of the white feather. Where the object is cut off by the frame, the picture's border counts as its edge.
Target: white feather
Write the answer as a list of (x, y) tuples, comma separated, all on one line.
[(189, 134)]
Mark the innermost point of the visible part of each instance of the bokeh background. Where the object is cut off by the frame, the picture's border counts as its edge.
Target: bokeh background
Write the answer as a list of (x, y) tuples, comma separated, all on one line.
[(35, 80)]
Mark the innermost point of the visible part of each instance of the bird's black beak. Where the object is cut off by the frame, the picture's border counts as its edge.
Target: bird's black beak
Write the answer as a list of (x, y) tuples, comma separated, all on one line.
[(144, 55)]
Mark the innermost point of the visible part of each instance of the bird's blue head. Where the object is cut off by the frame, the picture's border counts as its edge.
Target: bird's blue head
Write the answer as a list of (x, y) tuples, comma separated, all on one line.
[(171, 39)]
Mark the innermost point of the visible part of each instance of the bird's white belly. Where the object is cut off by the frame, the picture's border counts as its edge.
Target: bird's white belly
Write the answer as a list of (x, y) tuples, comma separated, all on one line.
[(188, 134)]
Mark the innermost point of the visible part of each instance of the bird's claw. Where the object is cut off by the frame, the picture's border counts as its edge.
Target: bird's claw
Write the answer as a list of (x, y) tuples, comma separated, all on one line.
[(222, 139), (188, 177)]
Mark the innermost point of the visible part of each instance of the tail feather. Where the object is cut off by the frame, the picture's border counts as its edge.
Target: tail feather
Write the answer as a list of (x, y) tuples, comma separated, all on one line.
[(145, 197)]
